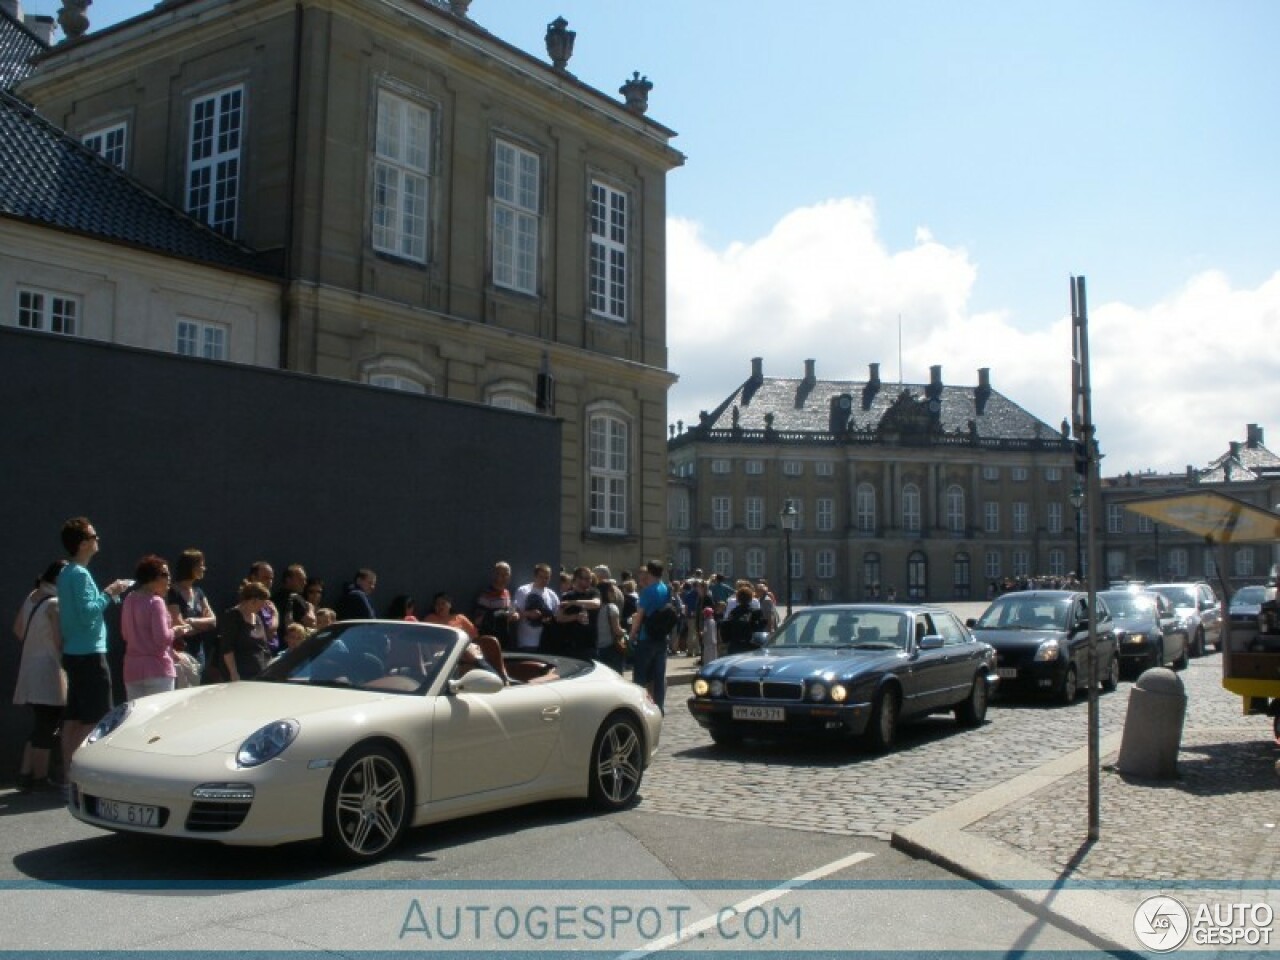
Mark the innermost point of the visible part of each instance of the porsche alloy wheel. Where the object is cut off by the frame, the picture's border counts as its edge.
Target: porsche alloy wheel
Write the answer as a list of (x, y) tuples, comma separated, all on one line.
[(367, 806), (617, 763)]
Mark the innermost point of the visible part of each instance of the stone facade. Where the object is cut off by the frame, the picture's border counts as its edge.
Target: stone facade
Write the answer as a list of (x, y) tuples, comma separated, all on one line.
[(450, 215), (931, 489)]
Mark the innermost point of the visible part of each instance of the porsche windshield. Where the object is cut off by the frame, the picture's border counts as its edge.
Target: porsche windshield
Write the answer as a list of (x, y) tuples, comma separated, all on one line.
[(854, 629), (1012, 612), (397, 657)]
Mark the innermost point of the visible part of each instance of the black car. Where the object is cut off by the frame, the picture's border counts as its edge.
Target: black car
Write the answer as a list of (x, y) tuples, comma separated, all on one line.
[(1149, 632), (1041, 638), (847, 670)]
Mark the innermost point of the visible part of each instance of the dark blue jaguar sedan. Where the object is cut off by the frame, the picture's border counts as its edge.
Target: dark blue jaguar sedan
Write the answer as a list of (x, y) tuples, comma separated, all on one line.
[(851, 670)]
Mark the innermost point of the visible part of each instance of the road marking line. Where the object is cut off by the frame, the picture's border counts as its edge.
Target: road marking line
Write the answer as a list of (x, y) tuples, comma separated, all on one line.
[(743, 906)]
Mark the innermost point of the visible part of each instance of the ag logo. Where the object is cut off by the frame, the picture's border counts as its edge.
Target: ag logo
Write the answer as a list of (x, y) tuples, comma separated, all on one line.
[(1161, 923)]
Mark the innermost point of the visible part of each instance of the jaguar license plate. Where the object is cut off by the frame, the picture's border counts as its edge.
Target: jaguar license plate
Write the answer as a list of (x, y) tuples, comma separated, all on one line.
[(1007, 673), (769, 714), (134, 814)]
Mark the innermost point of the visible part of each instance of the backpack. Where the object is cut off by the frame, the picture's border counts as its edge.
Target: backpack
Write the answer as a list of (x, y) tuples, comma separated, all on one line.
[(663, 620)]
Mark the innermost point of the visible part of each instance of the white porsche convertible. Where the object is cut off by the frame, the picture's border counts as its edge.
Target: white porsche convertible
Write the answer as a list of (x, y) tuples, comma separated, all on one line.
[(366, 729)]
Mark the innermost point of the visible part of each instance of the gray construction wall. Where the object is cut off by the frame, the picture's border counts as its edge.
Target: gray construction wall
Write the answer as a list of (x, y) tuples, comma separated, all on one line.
[(164, 452)]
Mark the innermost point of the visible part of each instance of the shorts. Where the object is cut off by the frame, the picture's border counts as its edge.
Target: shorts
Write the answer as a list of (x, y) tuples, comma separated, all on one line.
[(88, 687)]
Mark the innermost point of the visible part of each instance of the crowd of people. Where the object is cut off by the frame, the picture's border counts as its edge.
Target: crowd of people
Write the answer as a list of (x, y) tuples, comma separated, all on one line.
[(85, 648)]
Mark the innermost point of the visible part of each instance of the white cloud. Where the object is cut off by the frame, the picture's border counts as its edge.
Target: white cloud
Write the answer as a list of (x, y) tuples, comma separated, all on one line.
[(1173, 382)]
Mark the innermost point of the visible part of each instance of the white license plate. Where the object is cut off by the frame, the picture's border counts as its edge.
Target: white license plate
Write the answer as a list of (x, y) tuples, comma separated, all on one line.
[(771, 714), (134, 814), (1007, 673)]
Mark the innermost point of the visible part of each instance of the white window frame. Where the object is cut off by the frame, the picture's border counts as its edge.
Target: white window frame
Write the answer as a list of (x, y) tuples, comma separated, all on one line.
[(1021, 518), (991, 516), (722, 561), (1054, 518), (109, 142), (990, 472), (1116, 560), (401, 202), (394, 381), (720, 466), (865, 504), (824, 564), (753, 468), (1020, 561), (755, 562), (797, 564), (517, 216), (910, 508), (511, 395), (991, 565), (1052, 474), (609, 471), (1210, 564), (1242, 562), (824, 468), (1019, 474), (753, 513), (721, 513), (955, 508), (792, 468), (50, 310), (824, 509), (607, 267), (215, 134), (1115, 518), (1145, 523), (678, 507), (205, 339), (1177, 561), (1057, 562)]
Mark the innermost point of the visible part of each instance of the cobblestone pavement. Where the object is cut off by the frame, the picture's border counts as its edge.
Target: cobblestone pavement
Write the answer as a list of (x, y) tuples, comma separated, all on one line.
[(837, 788)]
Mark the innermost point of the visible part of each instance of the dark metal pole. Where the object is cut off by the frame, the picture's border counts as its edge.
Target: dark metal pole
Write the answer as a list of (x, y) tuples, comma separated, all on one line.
[(787, 561)]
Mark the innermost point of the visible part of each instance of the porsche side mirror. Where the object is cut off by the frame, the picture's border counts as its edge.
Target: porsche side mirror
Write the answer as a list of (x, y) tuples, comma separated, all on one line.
[(477, 681)]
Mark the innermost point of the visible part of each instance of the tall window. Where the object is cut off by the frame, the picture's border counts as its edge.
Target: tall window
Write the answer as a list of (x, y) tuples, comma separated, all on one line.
[(108, 143), (45, 310), (753, 468), (865, 506), (1115, 518), (991, 565), (722, 561), (961, 574), (205, 340), (911, 508), (1244, 562), (755, 562), (1021, 563), (870, 573), (824, 564), (608, 267), (516, 206), (826, 514), (955, 508), (824, 468), (754, 513), (1210, 564), (917, 575), (213, 158), (1116, 561), (1057, 562), (1020, 514), (610, 464), (401, 177), (797, 563), (684, 559), (721, 513), (1178, 562), (991, 516), (1055, 518), (678, 510)]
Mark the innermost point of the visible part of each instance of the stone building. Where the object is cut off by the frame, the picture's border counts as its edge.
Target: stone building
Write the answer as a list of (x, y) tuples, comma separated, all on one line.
[(1135, 547), (447, 214), (933, 489)]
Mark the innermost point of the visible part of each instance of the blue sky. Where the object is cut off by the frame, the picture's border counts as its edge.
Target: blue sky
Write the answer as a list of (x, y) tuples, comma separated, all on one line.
[(852, 165)]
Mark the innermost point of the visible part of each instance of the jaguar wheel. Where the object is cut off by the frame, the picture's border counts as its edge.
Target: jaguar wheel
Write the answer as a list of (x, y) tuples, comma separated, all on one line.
[(973, 711), (367, 805), (617, 763), (883, 726)]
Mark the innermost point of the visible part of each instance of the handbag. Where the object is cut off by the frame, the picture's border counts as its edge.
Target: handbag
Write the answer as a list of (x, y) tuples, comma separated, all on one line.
[(186, 670)]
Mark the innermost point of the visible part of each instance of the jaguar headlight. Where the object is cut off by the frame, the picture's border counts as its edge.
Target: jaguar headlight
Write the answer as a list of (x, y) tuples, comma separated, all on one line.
[(839, 693), (817, 691), (267, 743), (700, 687), (717, 688), (1049, 650), (110, 722)]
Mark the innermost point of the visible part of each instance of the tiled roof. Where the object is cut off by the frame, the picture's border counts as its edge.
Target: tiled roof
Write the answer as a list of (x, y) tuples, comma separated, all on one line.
[(794, 406), (51, 179), (17, 46), (1241, 464)]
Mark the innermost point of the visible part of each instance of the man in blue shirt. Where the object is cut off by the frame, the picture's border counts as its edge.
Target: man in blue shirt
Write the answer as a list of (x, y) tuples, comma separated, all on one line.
[(648, 652), (84, 636)]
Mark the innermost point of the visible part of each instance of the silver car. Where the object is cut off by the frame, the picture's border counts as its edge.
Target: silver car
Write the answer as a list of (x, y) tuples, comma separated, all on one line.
[(1201, 613)]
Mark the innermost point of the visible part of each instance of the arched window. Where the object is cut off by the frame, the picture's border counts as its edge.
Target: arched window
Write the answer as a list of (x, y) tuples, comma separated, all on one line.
[(510, 395), (955, 508), (865, 507), (871, 575), (917, 575), (910, 508), (608, 470), (397, 373)]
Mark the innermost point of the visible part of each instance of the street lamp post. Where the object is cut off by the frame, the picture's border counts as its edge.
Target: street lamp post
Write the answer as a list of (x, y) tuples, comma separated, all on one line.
[(1077, 501), (787, 518)]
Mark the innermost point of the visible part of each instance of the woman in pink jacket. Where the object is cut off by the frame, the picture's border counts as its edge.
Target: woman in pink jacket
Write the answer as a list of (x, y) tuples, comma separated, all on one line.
[(148, 631)]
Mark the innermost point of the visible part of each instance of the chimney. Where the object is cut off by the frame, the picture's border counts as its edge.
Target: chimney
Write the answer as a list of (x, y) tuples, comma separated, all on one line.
[(872, 387), (984, 379), (1235, 449), (809, 375), (42, 27), (935, 382), (13, 8), (757, 369), (874, 377), (1254, 436)]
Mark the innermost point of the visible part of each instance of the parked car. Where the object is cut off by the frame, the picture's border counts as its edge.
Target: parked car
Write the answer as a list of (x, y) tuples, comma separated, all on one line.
[(1041, 639), (1201, 613), (367, 728), (1149, 632), (847, 670), (1246, 603)]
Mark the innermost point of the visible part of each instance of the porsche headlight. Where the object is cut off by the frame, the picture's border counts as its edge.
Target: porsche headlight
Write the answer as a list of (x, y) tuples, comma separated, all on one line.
[(838, 693), (700, 687), (110, 722), (267, 743), (817, 691), (1049, 650)]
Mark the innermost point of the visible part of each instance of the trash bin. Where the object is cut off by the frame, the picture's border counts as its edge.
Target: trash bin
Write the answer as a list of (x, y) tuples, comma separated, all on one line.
[(1153, 726)]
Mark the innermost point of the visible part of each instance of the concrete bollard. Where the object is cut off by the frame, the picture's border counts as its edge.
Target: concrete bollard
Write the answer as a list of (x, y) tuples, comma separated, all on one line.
[(1153, 726)]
